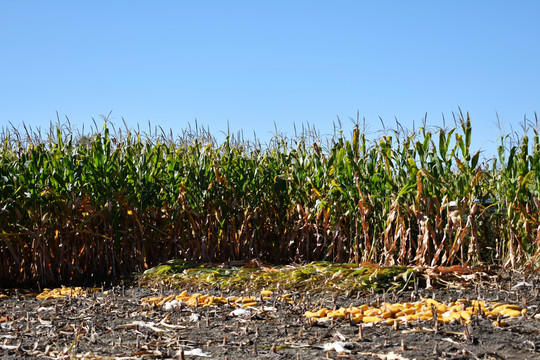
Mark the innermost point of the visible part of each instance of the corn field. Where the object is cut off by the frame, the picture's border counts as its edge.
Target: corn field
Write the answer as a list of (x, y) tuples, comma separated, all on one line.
[(88, 208)]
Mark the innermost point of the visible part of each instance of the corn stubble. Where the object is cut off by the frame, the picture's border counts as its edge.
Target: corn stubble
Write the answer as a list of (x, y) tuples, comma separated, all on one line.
[(85, 208)]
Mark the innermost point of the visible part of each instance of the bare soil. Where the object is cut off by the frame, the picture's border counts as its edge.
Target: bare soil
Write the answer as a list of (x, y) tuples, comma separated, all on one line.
[(117, 325)]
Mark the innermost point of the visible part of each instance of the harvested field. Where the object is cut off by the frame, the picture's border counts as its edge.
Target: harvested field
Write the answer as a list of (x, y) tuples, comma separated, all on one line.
[(131, 321)]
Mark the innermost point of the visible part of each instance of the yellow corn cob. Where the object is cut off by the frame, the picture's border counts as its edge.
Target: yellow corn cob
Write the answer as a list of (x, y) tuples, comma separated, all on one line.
[(336, 315), (387, 315), (394, 309), (450, 317), (405, 312), (371, 319), (465, 315), (432, 301), (356, 310), (506, 306), (151, 299), (510, 312), (441, 309), (164, 300), (372, 312)]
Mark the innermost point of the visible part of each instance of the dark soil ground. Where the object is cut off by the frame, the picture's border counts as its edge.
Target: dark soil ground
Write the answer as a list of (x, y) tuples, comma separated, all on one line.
[(118, 326)]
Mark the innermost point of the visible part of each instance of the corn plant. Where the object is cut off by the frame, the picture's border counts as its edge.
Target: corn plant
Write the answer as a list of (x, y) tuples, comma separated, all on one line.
[(86, 208)]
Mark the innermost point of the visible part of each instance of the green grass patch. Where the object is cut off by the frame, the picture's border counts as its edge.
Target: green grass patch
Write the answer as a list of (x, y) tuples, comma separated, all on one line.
[(315, 277)]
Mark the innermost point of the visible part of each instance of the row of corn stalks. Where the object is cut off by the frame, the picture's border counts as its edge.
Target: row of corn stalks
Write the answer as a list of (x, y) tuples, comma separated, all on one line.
[(87, 208)]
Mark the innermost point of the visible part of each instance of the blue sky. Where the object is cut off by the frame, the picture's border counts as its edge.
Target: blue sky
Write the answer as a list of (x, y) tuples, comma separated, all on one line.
[(253, 64)]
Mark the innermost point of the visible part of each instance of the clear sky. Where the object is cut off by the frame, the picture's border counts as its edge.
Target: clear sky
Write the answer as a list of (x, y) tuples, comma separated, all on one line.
[(253, 64)]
